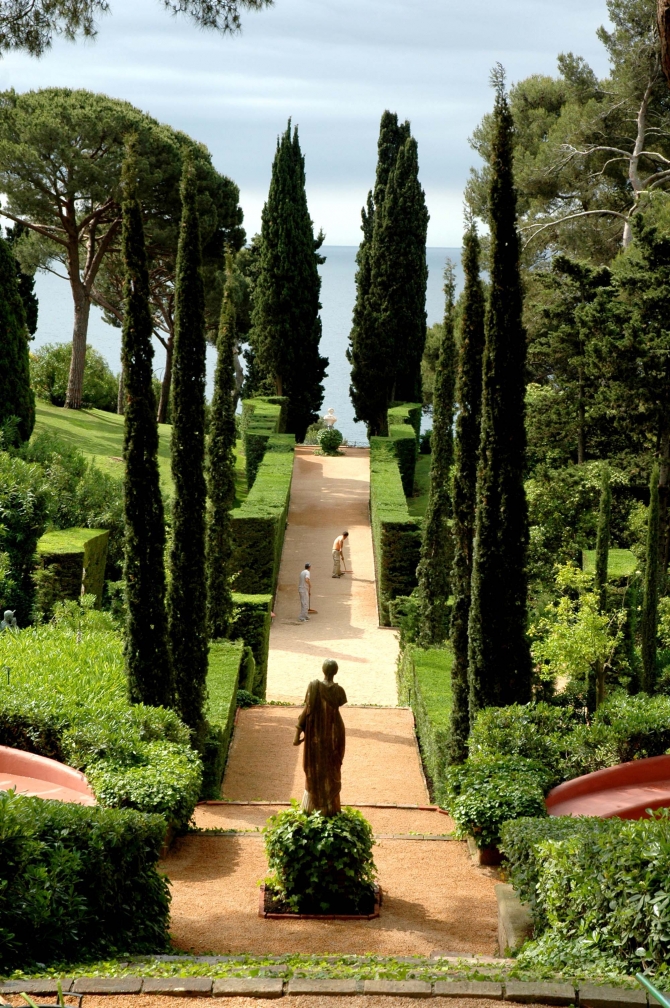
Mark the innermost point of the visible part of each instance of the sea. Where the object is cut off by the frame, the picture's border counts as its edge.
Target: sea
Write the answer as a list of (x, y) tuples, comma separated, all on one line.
[(338, 293)]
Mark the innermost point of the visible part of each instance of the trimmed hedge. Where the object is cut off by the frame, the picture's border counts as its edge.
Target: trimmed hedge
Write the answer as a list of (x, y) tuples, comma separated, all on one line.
[(258, 525), (406, 413), (261, 418), (227, 661), (251, 622), (404, 425), (78, 883), (396, 536), (424, 684), (77, 558)]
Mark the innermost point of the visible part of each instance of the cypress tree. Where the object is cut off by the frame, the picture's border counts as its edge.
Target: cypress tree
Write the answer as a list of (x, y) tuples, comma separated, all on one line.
[(649, 621), (603, 538), (221, 468), (433, 573), (499, 654), (145, 648), (187, 595), (372, 369), (17, 399), (286, 327), (466, 451)]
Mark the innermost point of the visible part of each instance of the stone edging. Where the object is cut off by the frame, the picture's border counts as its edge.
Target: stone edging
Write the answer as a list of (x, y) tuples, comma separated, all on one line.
[(587, 996)]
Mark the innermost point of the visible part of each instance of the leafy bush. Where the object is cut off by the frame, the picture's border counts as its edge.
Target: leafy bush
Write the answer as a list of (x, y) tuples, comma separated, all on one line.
[(251, 623), (624, 728), (247, 699), (23, 517), (78, 882), (319, 864), (50, 368), (424, 682), (483, 794), (329, 440)]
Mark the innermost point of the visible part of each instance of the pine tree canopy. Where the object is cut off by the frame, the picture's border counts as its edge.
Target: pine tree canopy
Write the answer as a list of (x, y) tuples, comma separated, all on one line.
[(187, 597), (17, 400), (499, 655), (146, 650), (286, 326)]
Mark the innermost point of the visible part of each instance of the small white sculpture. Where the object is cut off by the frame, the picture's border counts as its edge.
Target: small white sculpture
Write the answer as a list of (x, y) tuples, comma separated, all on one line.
[(330, 419), (9, 621)]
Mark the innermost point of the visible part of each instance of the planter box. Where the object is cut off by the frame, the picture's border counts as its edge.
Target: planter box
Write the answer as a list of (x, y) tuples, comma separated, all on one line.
[(274, 915), (490, 856)]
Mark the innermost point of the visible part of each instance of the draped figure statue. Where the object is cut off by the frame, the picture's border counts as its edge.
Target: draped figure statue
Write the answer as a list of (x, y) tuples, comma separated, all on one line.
[(321, 728)]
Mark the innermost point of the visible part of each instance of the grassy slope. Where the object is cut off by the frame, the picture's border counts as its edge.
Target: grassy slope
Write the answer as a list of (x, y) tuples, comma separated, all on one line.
[(99, 435), (417, 504), (620, 562)]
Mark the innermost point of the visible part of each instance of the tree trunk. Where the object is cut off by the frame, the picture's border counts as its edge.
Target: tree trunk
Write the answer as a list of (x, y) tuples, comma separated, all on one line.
[(167, 381), (82, 309), (663, 14), (121, 397)]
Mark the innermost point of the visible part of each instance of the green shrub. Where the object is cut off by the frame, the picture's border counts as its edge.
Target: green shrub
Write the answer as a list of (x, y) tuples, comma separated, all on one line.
[(395, 533), (319, 864), (77, 558), (225, 664), (481, 795), (251, 623), (50, 368), (78, 882), (424, 683), (406, 413), (261, 418), (67, 699), (425, 446), (247, 699), (624, 728), (23, 516), (329, 440)]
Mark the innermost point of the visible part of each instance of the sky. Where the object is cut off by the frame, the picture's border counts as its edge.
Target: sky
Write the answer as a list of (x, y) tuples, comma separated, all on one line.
[(333, 66)]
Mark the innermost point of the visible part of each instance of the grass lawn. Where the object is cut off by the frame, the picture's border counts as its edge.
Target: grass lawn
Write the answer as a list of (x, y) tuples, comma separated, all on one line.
[(99, 435), (417, 504), (620, 562)]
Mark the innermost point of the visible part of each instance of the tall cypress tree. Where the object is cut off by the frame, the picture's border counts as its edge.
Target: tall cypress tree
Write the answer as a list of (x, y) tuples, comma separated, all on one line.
[(146, 650), (603, 538), (187, 596), (221, 468), (466, 452), (433, 573), (649, 621), (499, 654), (17, 399), (286, 327), (372, 369)]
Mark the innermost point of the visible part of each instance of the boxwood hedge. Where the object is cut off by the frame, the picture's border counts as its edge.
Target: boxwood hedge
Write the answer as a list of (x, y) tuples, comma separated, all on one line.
[(424, 683), (261, 418), (227, 663)]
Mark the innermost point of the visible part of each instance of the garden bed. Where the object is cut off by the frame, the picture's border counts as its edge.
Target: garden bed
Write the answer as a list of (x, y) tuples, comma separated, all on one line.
[(272, 908)]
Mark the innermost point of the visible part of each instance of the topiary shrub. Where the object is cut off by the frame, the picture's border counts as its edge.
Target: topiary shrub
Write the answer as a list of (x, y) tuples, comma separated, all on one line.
[(329, 440), (320, 865)]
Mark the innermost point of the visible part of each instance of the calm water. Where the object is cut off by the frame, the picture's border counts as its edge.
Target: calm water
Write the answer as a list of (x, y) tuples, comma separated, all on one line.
[(337, 297)]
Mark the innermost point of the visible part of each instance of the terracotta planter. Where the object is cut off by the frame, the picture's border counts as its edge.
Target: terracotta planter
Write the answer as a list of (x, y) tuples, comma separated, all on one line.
[(273, 915), (489, 856)]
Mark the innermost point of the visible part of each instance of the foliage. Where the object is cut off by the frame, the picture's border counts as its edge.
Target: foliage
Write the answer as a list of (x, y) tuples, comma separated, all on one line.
[(23, 516), (148, 667), (251, 623), (78, 882), (424, 683), (652, 585), (261, 417), (483, 794), (50, 368), (321, 864), (402, 440), (187, 591), (499, 660), (286, 327), (17, 399), (466, 452), (329, 440), (437, 548), (226, 664)]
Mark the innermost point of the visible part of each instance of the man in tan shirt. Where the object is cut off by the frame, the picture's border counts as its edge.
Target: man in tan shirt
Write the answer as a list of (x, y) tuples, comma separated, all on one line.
[(337, 555)]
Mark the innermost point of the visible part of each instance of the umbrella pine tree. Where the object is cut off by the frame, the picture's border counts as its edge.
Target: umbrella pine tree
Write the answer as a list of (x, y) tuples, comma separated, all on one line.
[(146, 653), (499, 654), (187, 596)]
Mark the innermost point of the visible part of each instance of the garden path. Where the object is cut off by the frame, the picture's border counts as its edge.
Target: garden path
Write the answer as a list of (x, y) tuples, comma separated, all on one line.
[(329, 495)]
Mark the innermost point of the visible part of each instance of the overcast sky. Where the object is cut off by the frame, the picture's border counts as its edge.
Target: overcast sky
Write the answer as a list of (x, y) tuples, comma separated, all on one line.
[(334, 66)]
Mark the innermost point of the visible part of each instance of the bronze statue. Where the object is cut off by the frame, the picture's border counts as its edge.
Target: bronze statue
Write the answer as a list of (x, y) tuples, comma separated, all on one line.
[(321, 728)]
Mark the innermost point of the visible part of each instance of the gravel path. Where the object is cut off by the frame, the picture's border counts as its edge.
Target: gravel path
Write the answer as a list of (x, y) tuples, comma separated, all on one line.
[(329, 495)]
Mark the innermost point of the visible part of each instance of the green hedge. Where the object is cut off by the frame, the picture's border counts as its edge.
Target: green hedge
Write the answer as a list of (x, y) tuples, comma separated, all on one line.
[(406, 413), (78, 883), (424, 684), (67, 699), (396, 536), (251, 622), (227, 661), (260, 522), (261, 418), (76, 559), (404, 424)]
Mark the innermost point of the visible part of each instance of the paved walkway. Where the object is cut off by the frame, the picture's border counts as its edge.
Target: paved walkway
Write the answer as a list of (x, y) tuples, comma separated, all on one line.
[(329, 495)]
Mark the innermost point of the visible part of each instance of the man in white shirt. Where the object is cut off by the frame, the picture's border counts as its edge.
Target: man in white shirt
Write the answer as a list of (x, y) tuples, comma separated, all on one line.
[(337, 554), (304, 590)]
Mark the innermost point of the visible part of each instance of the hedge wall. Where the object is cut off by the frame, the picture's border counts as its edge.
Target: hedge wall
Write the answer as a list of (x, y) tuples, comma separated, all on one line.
[(251, 623), (78, 883), (77, 558), (227, 664), (261, 418), (424, 683), (260, 521), (406, 413), (395, 533), (404, 425)]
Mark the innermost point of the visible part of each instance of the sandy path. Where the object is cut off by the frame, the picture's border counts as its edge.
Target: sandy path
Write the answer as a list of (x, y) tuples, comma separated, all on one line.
[(329, 495), (381, 763)]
